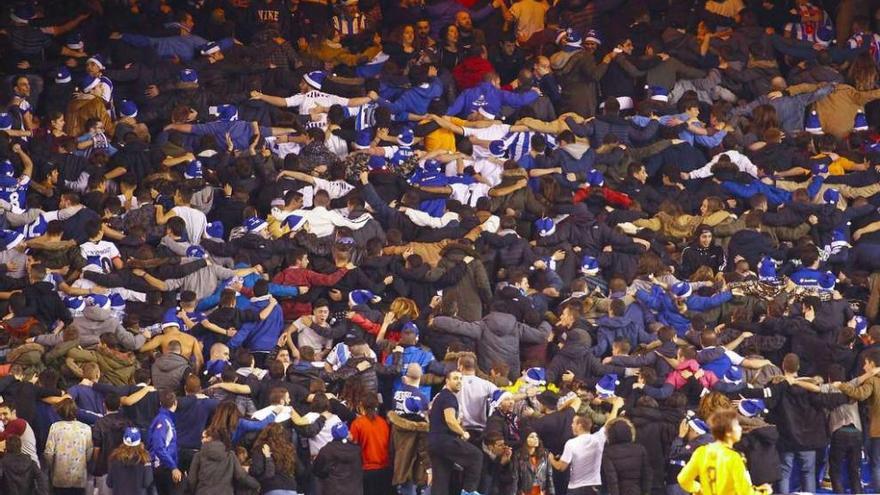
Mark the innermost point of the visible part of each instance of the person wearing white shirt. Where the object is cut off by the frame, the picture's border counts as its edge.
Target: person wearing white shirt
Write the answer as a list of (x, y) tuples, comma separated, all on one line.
[(583, 454), (334, 188), (322, 221), (741, 161), (196, 221), (310, 98)]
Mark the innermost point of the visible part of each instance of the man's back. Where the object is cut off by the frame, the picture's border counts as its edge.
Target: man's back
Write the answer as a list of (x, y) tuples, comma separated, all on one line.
[(583, 453), (472, 401)]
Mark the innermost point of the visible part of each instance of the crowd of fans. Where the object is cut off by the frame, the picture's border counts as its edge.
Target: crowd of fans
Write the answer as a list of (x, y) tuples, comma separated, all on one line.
[(401, 247)]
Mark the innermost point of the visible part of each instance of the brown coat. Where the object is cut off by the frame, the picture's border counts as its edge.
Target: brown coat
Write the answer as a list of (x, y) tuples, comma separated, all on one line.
[(837, 111), (410, 442), (870, 391)]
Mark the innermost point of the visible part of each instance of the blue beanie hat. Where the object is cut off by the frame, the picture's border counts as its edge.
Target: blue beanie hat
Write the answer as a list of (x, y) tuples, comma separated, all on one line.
[(189, 76), (254, 224), (545, 226), (681, 289), (315, 78), (536, 376), (589, 265), (751, 407), (607, 385), (128, 108), (339, 431), (193, 170), (361, 296), (812, 125)]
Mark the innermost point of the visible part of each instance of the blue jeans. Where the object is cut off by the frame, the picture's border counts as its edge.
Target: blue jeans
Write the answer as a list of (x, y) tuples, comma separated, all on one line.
[(807, 460), (874, 454), (281, 492)]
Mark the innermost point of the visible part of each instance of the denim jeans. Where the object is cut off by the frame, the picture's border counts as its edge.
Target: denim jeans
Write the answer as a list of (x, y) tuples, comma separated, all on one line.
[(874, 453), (846, 448), (807, 460)]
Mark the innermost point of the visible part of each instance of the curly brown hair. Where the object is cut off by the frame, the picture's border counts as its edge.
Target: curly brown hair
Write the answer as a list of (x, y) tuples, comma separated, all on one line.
[(282, 448), (711, 402)]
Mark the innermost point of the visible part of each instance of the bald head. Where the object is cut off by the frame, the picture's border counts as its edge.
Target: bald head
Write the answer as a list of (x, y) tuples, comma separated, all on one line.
[(413, 375), (778, 83)]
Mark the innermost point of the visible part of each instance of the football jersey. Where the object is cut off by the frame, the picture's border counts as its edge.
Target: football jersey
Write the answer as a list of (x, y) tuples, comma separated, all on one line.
[(99, 254), (14, 191)]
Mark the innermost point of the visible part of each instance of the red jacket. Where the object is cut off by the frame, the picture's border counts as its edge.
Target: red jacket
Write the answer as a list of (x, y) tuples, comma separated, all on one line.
[(293, 308), (612, 197)]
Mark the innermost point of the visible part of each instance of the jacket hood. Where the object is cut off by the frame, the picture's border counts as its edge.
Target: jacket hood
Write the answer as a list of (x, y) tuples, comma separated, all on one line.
[(214, 451), (95, 313), (16, 466), (561, 60), (576, 150), (168, 362), (620, 431)]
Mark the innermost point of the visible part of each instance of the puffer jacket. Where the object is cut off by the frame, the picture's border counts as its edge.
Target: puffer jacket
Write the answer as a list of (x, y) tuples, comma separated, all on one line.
[(215, 471), (498, 337), (625, 466)]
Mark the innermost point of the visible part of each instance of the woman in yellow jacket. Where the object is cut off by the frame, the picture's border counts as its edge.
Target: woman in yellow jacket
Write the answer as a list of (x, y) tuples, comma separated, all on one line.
[(717, 469)]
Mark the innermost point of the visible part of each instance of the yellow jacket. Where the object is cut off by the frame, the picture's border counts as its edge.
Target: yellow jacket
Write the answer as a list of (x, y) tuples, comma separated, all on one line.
[(716, 469)]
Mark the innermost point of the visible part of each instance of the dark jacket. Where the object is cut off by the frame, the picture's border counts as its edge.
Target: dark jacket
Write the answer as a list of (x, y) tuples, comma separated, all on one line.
[(44, 304), (134, 479), (656, 428), (168, 371), (214, 469), (578, 73), (625, 466), (338, 468), (577, 356), (762, 458), (499, 336), (19, 474), (800, 416)]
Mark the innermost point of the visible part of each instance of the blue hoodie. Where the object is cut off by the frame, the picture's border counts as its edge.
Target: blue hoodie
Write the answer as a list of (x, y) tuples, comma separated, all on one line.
[(667, 311), (489, 98), (412, 354), (259, 336), (414, 100), (162, 440)]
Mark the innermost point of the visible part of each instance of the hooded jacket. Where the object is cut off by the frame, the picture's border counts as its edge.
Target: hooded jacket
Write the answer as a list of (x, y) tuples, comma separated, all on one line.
[(20, 475), (216, 471), (262, 335), (414, 100), (498, 337), (338, 468), (625, 466), (168, 371), (489, 98), (578, 74), (472, 291), (577, 356)]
